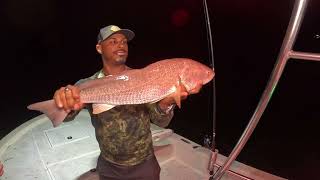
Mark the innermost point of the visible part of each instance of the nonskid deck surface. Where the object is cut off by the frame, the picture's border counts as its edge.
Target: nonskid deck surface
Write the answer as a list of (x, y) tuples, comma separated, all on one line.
[(38, 151)]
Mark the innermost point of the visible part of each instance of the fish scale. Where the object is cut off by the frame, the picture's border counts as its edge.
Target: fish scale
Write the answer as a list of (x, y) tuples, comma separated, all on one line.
[(147, 85)]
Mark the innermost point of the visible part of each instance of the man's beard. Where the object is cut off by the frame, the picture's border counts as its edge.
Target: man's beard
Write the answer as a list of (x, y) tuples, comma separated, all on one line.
[(121, 60)]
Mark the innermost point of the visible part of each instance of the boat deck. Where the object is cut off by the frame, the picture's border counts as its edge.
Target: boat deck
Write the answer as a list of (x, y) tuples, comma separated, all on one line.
[(36, 150)]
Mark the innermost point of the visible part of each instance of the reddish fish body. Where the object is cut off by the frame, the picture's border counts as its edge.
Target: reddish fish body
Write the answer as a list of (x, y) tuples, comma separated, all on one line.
[(137, 86)]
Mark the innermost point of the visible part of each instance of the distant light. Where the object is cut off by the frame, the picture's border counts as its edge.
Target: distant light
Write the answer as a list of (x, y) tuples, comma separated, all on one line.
[(317, 36), (180, 17)]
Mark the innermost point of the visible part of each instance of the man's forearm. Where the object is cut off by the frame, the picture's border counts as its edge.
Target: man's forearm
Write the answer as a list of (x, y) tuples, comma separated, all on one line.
[(161, 117)]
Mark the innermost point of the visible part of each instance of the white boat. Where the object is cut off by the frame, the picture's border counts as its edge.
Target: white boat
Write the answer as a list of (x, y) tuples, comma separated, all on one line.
[(36, 150)]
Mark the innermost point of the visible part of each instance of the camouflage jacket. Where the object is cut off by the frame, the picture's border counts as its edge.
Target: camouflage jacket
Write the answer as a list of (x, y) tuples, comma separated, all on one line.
[(123, 132)]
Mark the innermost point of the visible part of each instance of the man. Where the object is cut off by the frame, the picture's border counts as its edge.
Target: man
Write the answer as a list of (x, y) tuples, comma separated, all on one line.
[(123, 132)]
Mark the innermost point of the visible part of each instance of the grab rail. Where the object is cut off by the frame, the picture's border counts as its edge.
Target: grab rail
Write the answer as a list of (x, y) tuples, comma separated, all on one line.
[(286, 53)]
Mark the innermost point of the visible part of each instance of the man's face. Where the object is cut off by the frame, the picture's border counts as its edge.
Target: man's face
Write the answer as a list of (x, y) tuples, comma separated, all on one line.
[(114, 49)]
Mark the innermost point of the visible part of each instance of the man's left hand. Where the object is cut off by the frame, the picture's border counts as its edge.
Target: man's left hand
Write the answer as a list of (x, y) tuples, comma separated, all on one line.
[(169, 100)]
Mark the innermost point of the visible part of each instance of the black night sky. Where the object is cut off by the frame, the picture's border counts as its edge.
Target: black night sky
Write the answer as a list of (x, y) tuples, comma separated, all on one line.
[(46, 44)]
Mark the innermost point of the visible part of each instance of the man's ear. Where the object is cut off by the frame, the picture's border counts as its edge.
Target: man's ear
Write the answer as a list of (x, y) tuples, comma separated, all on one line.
[(98, 48)]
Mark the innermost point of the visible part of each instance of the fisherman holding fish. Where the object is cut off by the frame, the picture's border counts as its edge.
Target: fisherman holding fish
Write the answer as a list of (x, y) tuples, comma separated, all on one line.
[(123, 131)]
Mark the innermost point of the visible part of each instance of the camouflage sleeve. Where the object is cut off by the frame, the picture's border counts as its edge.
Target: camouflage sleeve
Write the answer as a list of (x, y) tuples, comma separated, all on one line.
[(159, 117)]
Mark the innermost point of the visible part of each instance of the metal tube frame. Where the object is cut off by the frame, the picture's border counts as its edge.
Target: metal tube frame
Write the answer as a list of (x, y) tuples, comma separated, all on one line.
[(286, 53)]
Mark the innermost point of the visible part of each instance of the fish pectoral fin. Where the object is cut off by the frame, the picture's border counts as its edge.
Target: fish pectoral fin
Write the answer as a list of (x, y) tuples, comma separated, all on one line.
[(177, 95), (99, 108)]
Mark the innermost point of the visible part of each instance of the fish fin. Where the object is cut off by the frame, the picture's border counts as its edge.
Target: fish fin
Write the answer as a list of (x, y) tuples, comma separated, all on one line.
[(50, 109), (177, 95), (99, 108)]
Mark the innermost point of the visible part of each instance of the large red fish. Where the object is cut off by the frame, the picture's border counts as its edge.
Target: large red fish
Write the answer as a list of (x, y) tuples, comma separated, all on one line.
[(137, 86)]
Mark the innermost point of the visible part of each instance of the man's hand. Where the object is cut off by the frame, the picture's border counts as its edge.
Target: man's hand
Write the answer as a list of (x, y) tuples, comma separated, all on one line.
[(169, 100), (68, 98), (1, 169)]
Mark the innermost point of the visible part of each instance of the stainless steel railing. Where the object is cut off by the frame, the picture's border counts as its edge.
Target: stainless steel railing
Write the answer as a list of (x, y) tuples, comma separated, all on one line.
[(286, 53)]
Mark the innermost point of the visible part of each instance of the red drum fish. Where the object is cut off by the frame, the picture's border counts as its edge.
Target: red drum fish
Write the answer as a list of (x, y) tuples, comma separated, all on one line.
[(136, 86)]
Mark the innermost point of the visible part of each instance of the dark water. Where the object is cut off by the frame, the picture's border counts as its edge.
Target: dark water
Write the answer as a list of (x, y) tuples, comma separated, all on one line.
[(47, 44)]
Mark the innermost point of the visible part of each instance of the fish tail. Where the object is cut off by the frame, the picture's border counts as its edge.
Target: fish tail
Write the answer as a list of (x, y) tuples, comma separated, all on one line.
[(50, 109)]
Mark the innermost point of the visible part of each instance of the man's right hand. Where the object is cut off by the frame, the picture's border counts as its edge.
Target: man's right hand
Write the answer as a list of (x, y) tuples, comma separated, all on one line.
[(68, 98)]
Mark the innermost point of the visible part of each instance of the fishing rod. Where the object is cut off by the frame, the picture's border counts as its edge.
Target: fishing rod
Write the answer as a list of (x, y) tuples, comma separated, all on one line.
[(214, 151)]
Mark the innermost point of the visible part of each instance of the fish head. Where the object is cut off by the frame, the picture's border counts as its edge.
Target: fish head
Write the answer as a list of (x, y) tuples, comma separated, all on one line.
[(194, 73)]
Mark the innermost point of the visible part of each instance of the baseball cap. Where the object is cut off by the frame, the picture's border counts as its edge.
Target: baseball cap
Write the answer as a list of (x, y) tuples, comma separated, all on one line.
[(107, 31)]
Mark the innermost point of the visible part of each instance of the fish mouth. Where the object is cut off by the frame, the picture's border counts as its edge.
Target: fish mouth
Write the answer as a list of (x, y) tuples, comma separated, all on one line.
[(208, 80)]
